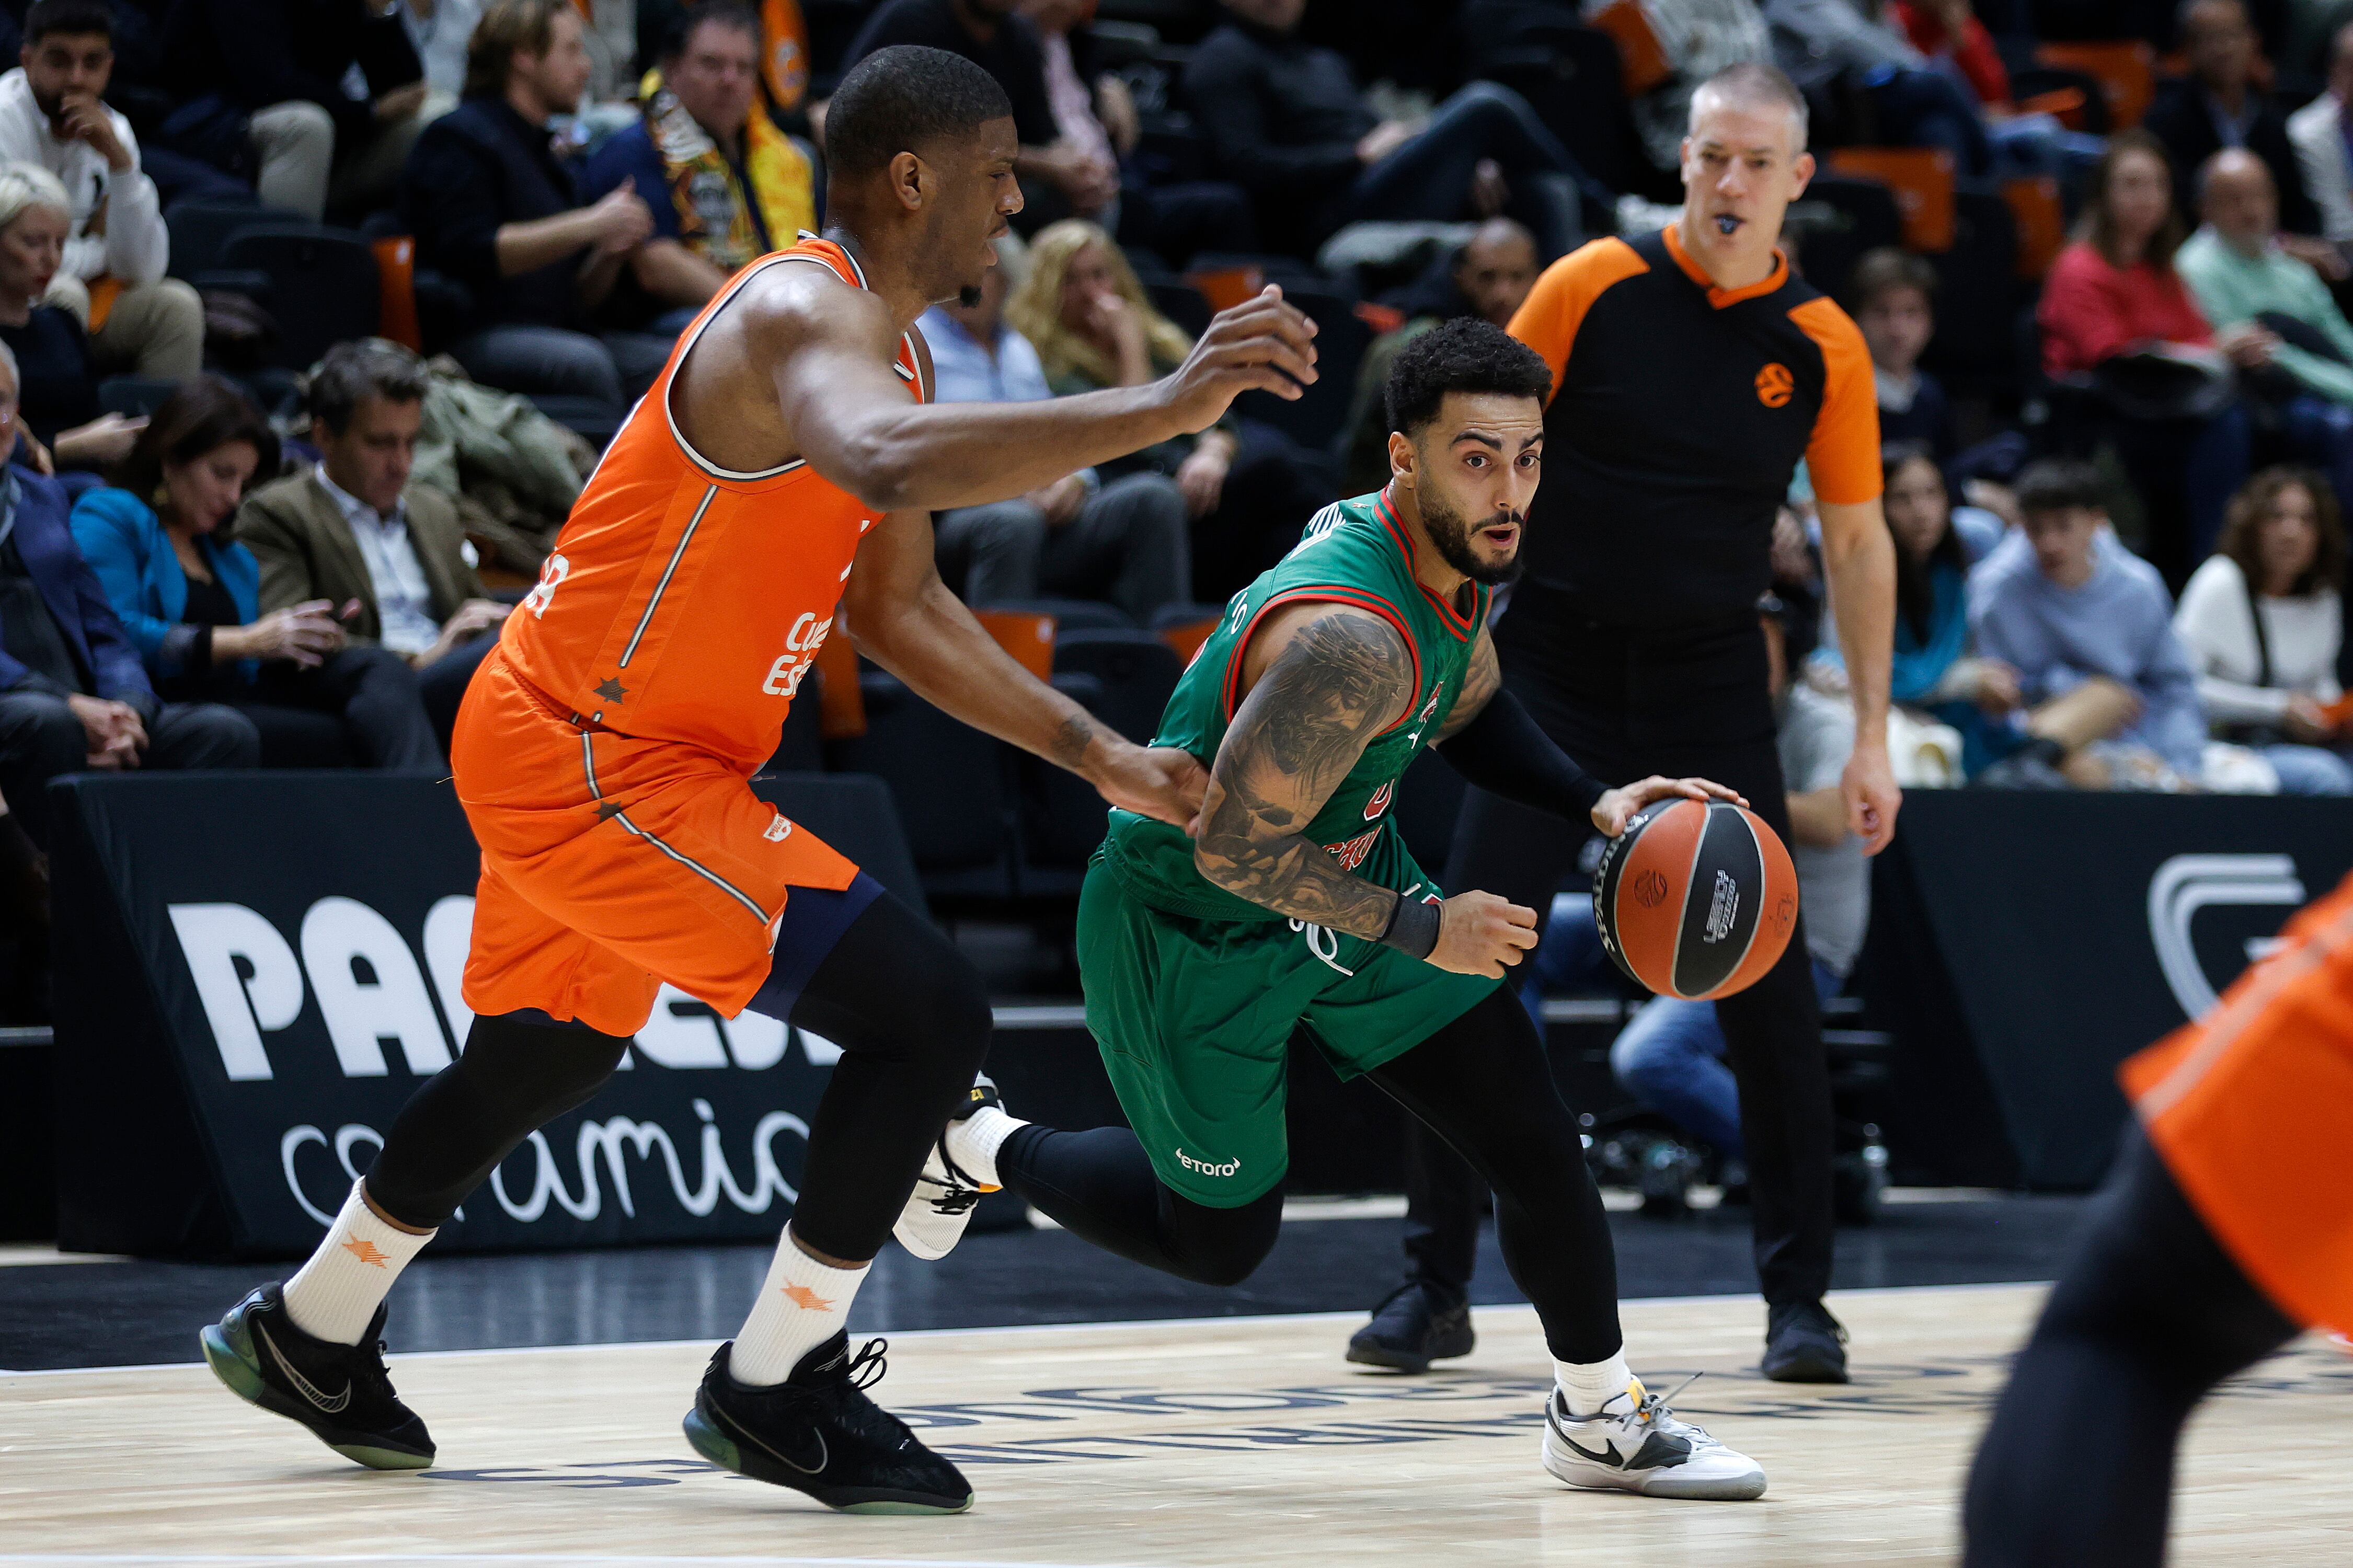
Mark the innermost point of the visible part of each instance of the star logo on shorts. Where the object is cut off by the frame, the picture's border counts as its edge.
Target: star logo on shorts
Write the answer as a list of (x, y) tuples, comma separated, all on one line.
[(367, 1252), (612, 690), (803, 1297)]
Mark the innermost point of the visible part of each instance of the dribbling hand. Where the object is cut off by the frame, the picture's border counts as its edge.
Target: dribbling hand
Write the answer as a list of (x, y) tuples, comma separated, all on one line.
[(1261, 343), (1481, 934), (1616, 808)]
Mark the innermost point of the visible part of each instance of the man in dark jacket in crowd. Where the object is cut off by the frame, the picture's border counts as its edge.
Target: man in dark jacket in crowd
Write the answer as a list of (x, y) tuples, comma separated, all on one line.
[(2218, 105)]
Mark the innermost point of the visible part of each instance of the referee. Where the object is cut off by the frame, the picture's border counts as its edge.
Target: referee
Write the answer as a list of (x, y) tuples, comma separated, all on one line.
[(1691, 370)]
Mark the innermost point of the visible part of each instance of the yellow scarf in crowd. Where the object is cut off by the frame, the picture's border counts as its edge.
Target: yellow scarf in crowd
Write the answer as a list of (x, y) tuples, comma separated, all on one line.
[(713, 219)]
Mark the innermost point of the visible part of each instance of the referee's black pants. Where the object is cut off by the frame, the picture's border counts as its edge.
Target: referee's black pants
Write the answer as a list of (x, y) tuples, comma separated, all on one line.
[(1687, 701)]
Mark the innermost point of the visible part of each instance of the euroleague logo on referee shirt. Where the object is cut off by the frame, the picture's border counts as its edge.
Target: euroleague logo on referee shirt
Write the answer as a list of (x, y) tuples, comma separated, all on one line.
[(1775, 385)]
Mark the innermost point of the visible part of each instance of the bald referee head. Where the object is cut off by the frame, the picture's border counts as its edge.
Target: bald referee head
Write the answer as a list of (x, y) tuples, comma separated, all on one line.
[(1744, 161)]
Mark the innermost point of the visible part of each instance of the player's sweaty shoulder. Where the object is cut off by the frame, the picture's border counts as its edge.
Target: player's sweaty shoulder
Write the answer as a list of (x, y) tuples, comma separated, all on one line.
[(1321, 646)]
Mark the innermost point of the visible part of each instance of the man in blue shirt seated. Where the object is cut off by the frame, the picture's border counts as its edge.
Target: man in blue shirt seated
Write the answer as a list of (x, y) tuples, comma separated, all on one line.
[(1077, 538), (726, 187), (2088, 627), (73, 695)]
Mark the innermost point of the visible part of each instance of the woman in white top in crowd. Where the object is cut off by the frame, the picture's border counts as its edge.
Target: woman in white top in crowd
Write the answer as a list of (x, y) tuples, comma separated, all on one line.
[(2263, 620)]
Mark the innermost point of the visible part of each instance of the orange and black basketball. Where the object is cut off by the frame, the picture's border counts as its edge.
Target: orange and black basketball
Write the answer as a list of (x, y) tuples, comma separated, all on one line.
[(1696, 898)]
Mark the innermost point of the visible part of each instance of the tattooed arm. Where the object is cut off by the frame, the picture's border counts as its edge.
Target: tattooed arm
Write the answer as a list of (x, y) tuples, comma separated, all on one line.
[(1342, 678), (1333, 679)]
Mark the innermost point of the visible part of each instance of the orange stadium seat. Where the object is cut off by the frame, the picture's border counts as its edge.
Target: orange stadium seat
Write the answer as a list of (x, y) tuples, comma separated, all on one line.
[(2126, 70), (1643, 61), (395, 265), (1922, 179), (1028, 637), (2042, 222)]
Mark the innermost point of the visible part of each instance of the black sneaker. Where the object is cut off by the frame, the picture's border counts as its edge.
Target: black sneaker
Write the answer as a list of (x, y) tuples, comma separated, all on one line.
[(1414, 1327), (816, 1432), (342, 1393), (1804, 1344)]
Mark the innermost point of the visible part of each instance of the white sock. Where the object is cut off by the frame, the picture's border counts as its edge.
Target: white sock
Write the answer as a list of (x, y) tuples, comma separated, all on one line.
[(973, 1142), (803, 1303), (335, 1295), (1587, 1386)]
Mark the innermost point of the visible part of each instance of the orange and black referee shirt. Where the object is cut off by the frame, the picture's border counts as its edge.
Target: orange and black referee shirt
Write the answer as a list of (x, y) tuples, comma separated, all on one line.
[(1679, 412)]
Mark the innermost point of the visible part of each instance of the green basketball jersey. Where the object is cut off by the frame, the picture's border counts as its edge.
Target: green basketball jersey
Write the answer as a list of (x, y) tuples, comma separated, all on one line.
[(1352, 552)]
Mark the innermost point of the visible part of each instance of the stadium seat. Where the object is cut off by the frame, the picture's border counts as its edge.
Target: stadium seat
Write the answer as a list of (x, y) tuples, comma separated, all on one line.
[(1840, 218), (1573, 76), (1977, 294), (1059, 818), (1319, 415), (1069, 615), (1181, 303), (1137, 670), (2042, 223), (1643, 64), (201, 229), (395, 263), (1028, 635), (324, 286), (1922, 179), (948, 782), (133, 397), (2125, 69)]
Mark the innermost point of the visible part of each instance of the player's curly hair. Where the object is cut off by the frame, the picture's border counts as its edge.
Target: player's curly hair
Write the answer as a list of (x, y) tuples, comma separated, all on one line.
[(1466, 354)]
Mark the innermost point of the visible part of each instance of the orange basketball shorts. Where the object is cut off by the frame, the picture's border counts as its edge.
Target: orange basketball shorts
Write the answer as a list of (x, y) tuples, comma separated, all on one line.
[(611, 865), (2251, 1108)]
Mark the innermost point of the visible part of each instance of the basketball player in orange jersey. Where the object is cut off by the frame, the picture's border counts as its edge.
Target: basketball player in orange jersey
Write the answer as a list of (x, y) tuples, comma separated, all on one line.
[(605, 749), (2226, 1228)]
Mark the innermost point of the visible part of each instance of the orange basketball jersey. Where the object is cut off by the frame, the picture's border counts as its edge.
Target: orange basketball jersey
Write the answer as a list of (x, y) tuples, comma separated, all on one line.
[(686, 602)]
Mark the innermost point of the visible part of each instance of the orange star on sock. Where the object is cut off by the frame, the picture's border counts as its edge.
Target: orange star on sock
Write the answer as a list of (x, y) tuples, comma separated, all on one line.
[(367, 1252), (802, 1296)]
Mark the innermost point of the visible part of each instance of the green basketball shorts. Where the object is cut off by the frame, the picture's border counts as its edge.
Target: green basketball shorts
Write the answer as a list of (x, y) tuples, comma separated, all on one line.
[(1194, 1019)]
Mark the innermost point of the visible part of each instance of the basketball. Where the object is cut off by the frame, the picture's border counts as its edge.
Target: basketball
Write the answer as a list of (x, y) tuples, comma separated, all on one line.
[(1696, 898)]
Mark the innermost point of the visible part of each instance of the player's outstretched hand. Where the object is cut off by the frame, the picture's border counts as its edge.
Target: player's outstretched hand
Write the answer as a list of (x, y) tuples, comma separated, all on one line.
[(1262, 344), (1615, 809), (1165, 782), (1479, 933)]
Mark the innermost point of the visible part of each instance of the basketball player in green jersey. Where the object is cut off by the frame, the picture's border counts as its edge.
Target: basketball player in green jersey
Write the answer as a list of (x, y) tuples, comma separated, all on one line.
[(1295, 902)]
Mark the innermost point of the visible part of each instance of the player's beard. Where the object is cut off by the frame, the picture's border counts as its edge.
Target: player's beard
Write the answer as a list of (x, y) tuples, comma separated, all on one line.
[(1451, 531), (969, 296)]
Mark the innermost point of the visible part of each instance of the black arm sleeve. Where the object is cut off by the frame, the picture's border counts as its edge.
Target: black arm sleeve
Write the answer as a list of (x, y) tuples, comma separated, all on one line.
[(1503, 753)]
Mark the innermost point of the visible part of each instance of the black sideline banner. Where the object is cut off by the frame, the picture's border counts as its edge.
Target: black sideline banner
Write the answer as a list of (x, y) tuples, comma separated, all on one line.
[(2025, 944), (256, 970)]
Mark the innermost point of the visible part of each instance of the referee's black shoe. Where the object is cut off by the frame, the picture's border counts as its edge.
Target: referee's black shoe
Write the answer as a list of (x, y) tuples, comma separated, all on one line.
[(1414, 1327), (342, 1393), (816, 1432), (1804, 1344)]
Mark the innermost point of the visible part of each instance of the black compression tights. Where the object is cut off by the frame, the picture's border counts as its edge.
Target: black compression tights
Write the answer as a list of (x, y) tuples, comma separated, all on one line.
[(905, 1007), (2076, 1470), (1482, 1083)]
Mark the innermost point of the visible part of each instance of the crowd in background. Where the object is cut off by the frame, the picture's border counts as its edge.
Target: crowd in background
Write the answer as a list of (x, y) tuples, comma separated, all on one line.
[(2123, 548)]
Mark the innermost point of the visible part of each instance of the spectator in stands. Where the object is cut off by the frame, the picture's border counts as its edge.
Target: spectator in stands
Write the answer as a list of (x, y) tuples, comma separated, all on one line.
[(1078, 538), (1949, 35), (189, 595), (1095, 110), (2088, 628), (2243, 278), (1285, 119), (1936, 676), (1891, 295), (51, 377), (494, 207), (1488, 277), (73, 696), (1247, 487), (53, 115), (2316, 132), (724, 185), (2263, 620), (2219, 105), (354, 532), (2113, 308), (271, 80), (1823, 43)]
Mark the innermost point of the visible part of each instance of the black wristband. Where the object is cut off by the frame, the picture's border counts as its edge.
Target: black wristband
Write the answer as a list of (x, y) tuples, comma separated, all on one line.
[(1412, 928)]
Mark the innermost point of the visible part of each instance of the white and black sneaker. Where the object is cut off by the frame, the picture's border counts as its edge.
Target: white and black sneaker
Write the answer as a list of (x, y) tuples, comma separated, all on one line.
[(342, 1393), (816, 1432), (1635, 1444), (941, 1205)]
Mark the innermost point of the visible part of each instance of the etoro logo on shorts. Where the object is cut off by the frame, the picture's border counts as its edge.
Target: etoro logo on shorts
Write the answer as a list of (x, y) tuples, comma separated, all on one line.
[(1209, 1167)]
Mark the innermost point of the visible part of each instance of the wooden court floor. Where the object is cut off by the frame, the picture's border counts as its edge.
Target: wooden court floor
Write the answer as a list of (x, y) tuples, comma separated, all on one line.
[(1232, 1442)]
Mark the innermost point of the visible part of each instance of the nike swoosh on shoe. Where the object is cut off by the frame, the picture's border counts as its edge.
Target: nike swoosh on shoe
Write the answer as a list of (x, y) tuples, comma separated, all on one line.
[(302, 1385), (824, 1454)]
